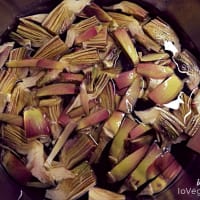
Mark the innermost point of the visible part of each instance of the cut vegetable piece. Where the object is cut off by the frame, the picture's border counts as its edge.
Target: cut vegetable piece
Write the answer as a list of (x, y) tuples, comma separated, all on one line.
[(95, 10), (128, 22), (54, 107), (20, 40), (20, 97), (166, 91), (138, 130), (88, 34), (152, 70), (35, 124), (169, 124), (60, 142), (162, 181), (117, 149), (8, 80), (112, 125), (138, 176), (16, 168), (124, 79), (18, 54), (59, 19), (84, 97), (82, 57), (126, 43), (4, 99), (4, 52), (52, 49), (38, 18), (76, 150), (129, 99), (102, 194), (57, 89), (130, 8), (99, 41), (34, 32), (154, 57), (75, 187), (11, 119), (161, 33), (93, 119), (13, 136), (109, 93), (146, 41), (84, 27), (103, 141), (127, 165), (31, 81), (71, 77)]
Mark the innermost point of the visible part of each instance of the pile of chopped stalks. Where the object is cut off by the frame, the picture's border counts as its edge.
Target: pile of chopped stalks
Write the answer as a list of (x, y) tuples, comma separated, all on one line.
[(92, 98)]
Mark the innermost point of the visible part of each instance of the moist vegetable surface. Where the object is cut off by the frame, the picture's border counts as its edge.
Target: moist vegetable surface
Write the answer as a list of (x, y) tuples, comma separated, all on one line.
[(92, 99)]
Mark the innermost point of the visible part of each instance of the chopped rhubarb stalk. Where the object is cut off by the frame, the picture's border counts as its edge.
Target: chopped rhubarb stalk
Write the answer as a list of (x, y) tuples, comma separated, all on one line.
[(125, 79), (117, 149), (31, 81), (11, 119), (129, 99), (126, 43), (130, 8), (52, 49), (13, 136), (154, 71), (4, 52), (95, 10), (112, 125), (138, 176), (81, 28), (62, 16), (34, 32), (88, 34), (84, 97), (87, 57), (146, 41), (127, 165), (38, 18), (108, 93), (71, 77), (8, 81), (54, 107), (22, 63), (35, 124), (75, 187), (57, 89), (16, 168), (93, 119), (20, 97), (167, 176), (60, 142), (166, 91), (154, 57), (71, 155), (68, 114), (139, 130), (99, 41), (162, 32), (4, 99), (103, 194)]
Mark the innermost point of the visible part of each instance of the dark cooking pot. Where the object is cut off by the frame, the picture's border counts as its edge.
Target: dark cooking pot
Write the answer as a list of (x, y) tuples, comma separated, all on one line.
[(184, 17)]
